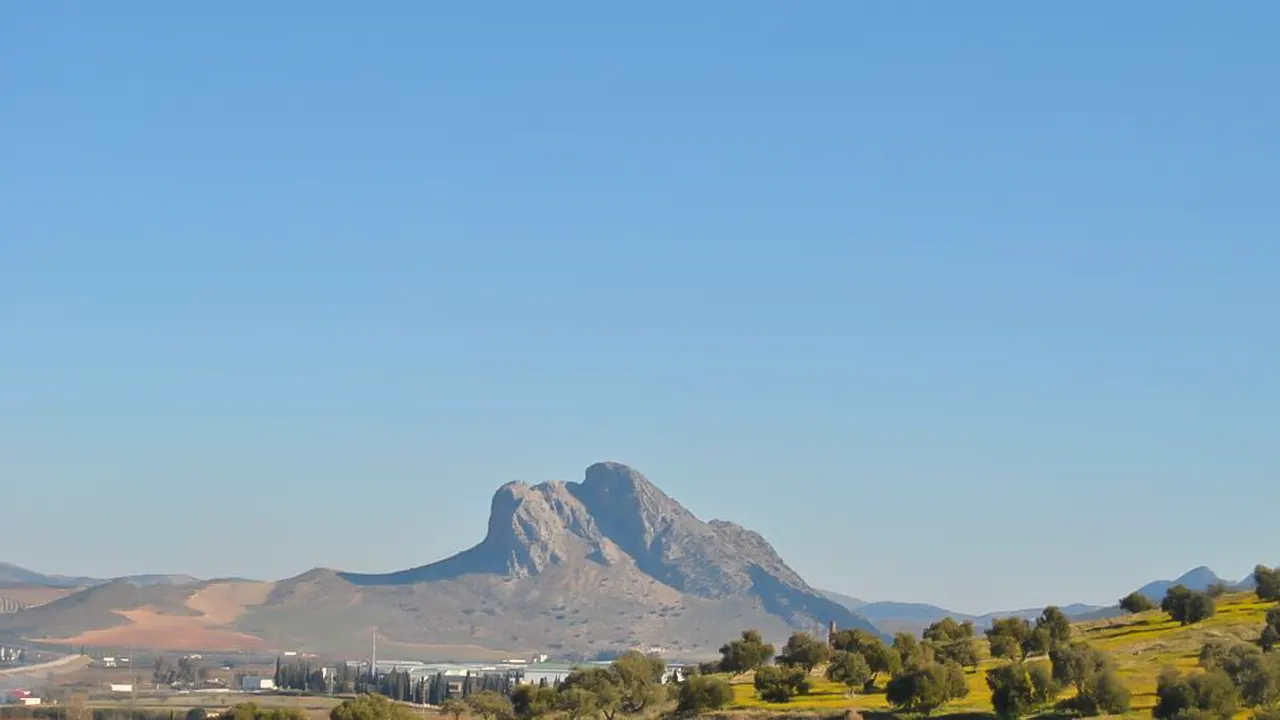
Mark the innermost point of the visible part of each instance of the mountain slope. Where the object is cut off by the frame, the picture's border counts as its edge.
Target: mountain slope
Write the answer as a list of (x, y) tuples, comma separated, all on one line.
[(618, 525), (574, 569), (1195, 579)]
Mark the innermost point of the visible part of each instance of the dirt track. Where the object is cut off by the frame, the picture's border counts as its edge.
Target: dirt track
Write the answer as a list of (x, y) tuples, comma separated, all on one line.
[(69, 663)]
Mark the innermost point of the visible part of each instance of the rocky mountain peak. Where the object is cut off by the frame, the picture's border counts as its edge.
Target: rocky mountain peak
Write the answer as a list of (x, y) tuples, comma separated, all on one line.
[(615, 517), (616, 478)]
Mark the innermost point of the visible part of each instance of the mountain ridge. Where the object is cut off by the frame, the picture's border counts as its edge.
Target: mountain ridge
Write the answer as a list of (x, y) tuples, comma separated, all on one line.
[(913, 617), (616, 513), (579, 569), (892, 616), (11, 574), (1198, 578)]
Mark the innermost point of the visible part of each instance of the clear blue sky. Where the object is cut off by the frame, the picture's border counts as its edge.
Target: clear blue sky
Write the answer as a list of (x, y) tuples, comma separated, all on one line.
[(907, 287)]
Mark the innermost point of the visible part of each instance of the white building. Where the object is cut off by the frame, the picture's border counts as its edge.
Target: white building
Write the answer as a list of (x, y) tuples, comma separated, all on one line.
[(550, 673), (255, 683), (121, 687)]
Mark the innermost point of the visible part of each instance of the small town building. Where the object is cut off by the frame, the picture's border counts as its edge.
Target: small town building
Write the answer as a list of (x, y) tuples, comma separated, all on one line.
[(254, 683)]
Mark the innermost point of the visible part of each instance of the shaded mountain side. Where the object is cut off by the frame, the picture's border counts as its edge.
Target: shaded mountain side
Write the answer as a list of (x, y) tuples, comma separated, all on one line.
[(616, 518), (848, 601)]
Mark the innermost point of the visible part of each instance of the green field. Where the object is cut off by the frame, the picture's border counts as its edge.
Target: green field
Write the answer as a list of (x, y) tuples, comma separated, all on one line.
[(1141, 645)]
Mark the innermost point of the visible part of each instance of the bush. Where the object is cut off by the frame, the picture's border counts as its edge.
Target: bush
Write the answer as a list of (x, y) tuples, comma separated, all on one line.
[(1136, 602), (952, 642), (849, 669), (1074, 664), (1009, 638), (252, 711), (1271, 630), (804, 650), (926, 688), (779, 684), (488, 704), (1187, 607), (1267, 582), (1255, 676), (1105, 693), (370, 707), (1013, 689), (880, 657), (703, 693), (748, 653), (1206, 695)]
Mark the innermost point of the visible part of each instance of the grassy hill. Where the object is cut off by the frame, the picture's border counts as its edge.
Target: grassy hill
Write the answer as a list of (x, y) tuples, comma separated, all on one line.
[(1141, 645)]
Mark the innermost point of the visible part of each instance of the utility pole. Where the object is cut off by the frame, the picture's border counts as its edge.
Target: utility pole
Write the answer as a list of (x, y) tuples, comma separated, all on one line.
[(133, 687), (373, 660)]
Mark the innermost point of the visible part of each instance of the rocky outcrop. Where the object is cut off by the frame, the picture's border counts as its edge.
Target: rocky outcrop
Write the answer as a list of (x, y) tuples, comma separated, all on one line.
[(615, 516)]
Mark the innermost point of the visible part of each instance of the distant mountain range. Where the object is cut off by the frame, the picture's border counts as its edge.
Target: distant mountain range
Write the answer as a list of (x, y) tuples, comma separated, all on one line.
[(892, 617), (1201, 578), (13, 575), (914, 617)]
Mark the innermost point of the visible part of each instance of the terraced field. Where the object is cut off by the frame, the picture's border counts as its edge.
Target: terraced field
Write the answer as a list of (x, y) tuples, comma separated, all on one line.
[(1141, 645)]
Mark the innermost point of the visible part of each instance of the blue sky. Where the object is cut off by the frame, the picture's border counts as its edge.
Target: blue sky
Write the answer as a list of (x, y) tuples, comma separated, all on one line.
[(964, 303)]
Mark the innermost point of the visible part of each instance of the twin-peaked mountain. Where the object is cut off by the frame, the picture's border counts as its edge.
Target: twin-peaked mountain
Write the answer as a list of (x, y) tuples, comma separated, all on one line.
[(567, 568)]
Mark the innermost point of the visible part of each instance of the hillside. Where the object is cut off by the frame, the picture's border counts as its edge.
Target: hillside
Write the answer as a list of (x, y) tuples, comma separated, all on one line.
[(18, 596), (568, 568), (1140, 645)]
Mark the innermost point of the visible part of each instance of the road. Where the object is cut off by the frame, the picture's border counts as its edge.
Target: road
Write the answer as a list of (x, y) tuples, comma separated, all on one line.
[(68, 663)]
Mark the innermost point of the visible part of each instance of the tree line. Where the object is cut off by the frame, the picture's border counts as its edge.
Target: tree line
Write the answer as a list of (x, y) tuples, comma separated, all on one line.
[(630, 685), (1038, 662), (187, 671), (920, 675), (396, 685)]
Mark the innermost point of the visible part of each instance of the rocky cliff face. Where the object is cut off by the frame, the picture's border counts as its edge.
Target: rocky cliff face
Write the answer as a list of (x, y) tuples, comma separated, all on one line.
[(616, 518)]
